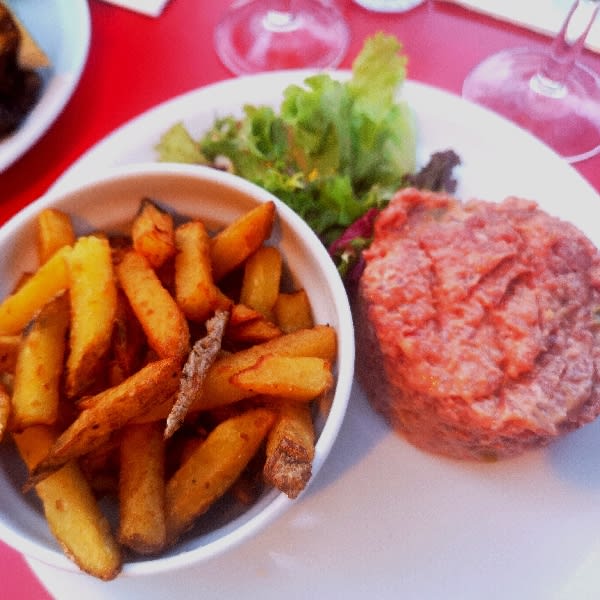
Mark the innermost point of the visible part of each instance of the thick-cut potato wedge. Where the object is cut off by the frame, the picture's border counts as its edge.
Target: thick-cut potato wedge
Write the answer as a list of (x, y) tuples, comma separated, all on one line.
[(109, 411), (241, 314), (290, 449), (51, 279), (234, 244), (93, 295), (262, 279), (55, 230), (320, 341), (195, 290), (5, 408), (128, 342), (213, 468), (71, 510), (256, 332), (152, 233), (161, 318), (301, 378), (292, 311), (37, 381), (9, 349), (142, 489)]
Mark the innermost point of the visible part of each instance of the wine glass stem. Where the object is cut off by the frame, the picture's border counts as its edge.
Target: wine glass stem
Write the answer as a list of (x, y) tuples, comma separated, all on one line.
[(565, 49)]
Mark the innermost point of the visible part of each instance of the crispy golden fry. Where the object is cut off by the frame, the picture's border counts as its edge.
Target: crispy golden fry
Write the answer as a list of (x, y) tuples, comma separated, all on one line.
[(320, 341), (262, 278), (290, 449), (292, 311), (158, 412), (142, 489), (71, 509), (5, 409), (109, 411), (248, 487), (101, 467), (128, 342), (51, 279), (162, 320), (37, 381), (234, 244), (256, 331), (301, 378), (55, 230), (93, 295), (202, 356), (195, 290), (9, 349), (241, 314), (152, 233), (213, 467)]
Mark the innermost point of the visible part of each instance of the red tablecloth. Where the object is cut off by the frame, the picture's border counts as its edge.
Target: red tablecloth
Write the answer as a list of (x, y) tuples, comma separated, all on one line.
[(136, 62)]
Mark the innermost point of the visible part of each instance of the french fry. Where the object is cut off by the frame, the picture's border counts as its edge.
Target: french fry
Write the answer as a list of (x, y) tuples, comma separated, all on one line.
[(37, 381), (261, 282), (301, 378), (241, 314), (9, 349), (256, 331), (292, 311), (5, 408), (142, 524), (234, 244), (152, 233), (128, 342), (195, 290), (163, 321), (209, 472), (93, 295), (290, 449), (50, 280), (55, 230), (71, 510), (109, 411), (320, 341)]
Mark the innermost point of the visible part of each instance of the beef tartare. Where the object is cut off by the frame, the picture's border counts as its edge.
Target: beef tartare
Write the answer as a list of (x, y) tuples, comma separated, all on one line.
[(478, 324)]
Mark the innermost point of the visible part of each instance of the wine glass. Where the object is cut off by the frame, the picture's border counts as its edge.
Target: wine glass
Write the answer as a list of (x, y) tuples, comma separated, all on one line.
[(266, 35), (548, 93), (391, 6)]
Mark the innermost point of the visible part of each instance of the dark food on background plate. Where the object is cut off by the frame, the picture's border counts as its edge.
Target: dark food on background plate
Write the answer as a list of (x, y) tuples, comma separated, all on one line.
[(478, 324), (20, 82)]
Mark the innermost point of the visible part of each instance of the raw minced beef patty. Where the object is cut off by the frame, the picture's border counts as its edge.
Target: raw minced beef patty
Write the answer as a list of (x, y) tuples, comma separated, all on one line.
[(478, 324)]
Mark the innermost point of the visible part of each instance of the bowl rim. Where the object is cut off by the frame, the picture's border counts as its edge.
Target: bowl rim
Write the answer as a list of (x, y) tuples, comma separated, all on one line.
[(274, 503)]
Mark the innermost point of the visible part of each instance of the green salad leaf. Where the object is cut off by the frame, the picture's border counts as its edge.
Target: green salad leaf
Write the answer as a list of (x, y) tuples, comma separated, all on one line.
[(333, 150)]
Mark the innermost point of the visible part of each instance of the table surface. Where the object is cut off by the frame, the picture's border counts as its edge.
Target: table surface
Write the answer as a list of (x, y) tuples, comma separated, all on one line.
[(135, 62)]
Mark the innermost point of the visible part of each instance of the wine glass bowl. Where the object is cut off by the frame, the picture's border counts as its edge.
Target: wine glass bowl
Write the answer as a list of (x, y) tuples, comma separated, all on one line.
[(267, 35), (548, 92)]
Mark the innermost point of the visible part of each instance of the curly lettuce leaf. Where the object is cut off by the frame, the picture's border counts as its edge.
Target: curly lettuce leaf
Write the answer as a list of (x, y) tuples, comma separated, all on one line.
[(333, 150)]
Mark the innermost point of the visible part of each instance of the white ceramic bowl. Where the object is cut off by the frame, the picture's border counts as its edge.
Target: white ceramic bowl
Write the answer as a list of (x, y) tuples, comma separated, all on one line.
[(110, 201)]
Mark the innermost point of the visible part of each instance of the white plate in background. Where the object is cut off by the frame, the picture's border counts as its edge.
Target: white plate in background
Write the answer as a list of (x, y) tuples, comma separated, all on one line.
[(62, 29)]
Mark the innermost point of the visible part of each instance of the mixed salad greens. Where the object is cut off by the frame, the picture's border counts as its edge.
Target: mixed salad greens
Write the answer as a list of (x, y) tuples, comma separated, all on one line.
[(335, 151)]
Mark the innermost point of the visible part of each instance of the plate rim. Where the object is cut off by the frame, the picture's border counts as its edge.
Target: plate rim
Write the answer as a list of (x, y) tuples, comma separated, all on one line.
[(32, 130)]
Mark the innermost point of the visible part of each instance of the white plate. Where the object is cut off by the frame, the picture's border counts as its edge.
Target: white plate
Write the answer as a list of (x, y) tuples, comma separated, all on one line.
[(383, 519), (62, 29)]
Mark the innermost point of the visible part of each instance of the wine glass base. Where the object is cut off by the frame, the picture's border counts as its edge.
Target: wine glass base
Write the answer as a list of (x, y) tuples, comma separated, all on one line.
[(565, 117), (253, 37), (391, 6)]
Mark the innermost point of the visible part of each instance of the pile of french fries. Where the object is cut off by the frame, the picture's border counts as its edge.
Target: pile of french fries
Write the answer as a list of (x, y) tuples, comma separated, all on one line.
[(167, 367)]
